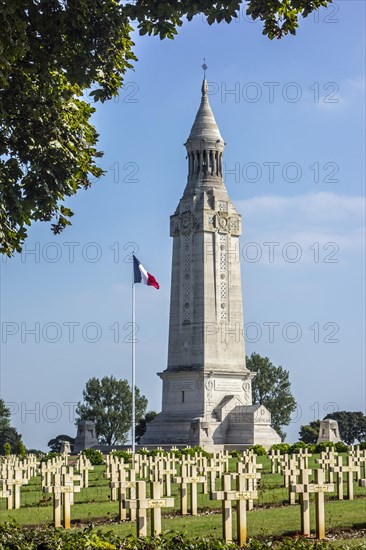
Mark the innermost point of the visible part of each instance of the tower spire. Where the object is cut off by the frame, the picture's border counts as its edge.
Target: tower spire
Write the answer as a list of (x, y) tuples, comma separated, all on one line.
[(204, 87), (205, 144)]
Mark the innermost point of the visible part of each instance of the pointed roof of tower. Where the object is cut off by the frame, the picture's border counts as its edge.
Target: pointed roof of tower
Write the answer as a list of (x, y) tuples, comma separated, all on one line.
[(204, 126)]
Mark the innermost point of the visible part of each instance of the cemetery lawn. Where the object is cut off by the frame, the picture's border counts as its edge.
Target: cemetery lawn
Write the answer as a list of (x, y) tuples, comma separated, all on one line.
[(270, 517)]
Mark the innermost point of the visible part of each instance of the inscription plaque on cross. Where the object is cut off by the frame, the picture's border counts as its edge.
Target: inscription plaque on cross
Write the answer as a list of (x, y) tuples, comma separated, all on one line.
[(304, 488), (62, 487), (250, 467), (142, 504), (241, 496)]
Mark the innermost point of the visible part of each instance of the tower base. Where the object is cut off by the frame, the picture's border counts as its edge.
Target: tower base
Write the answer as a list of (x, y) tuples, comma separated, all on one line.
[(242, 427)]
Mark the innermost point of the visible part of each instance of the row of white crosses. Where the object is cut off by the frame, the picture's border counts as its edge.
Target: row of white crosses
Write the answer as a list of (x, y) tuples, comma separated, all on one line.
[(162, 470), (83, 466), (59, 480), (14, 473), (122, 483), (50, 467), (359, 458), (192, 472), (332, 464), (159, 472), (189, 472), (297, 479), (279, 461)]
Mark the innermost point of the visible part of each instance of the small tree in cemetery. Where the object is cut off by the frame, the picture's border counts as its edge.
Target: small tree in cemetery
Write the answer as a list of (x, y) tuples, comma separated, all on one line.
[(309, 432), (55, 443), (108, 403), (7, 449), (21, 450), (8, 435), (271, 387)]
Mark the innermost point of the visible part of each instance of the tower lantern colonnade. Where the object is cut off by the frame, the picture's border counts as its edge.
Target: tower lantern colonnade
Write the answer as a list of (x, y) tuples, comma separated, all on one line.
[(207, 397), (205, 145)]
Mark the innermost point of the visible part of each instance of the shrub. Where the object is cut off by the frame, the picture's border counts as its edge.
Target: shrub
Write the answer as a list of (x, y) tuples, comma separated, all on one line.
[(49, 455), (157, 452), (191, 451), (362, 445), (95, 456), (341, 447), (177, 453), (143, 452), (259, 450), (235, 454), (127, 457), (321, 447), (298, 445), (283, 447), (13, 536)]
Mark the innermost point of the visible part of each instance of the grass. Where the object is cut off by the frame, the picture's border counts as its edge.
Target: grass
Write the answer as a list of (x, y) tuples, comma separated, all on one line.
[(271, 516), (262, 522)]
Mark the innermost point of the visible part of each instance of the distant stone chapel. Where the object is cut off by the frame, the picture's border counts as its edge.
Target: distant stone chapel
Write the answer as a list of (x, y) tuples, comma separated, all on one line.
[(207, 389)]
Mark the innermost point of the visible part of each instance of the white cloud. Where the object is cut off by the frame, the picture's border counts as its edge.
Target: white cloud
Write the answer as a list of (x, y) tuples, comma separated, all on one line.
[(306, 219), (317, 207)]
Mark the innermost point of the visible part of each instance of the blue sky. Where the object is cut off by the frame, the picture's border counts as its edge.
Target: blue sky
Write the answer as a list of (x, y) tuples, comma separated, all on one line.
[(292, 114)]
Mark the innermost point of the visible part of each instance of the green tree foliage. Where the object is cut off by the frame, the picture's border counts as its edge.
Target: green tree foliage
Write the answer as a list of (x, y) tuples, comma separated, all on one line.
[(21, 450), (8, 434), (55, 443), (271, 387), (141, 426), (51, 53), (352, 425), (108, 403), (4, 415), (310, 432), (7, 449), (36, 452)]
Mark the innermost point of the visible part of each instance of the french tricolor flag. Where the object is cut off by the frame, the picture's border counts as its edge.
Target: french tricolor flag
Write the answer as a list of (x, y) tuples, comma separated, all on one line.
[(140, 275)]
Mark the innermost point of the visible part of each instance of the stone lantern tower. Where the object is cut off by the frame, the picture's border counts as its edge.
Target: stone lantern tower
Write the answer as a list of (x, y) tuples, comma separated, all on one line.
[(207, 394)]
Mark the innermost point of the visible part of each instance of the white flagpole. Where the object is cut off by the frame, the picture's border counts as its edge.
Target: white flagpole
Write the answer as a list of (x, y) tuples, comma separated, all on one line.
[(133, 367)]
